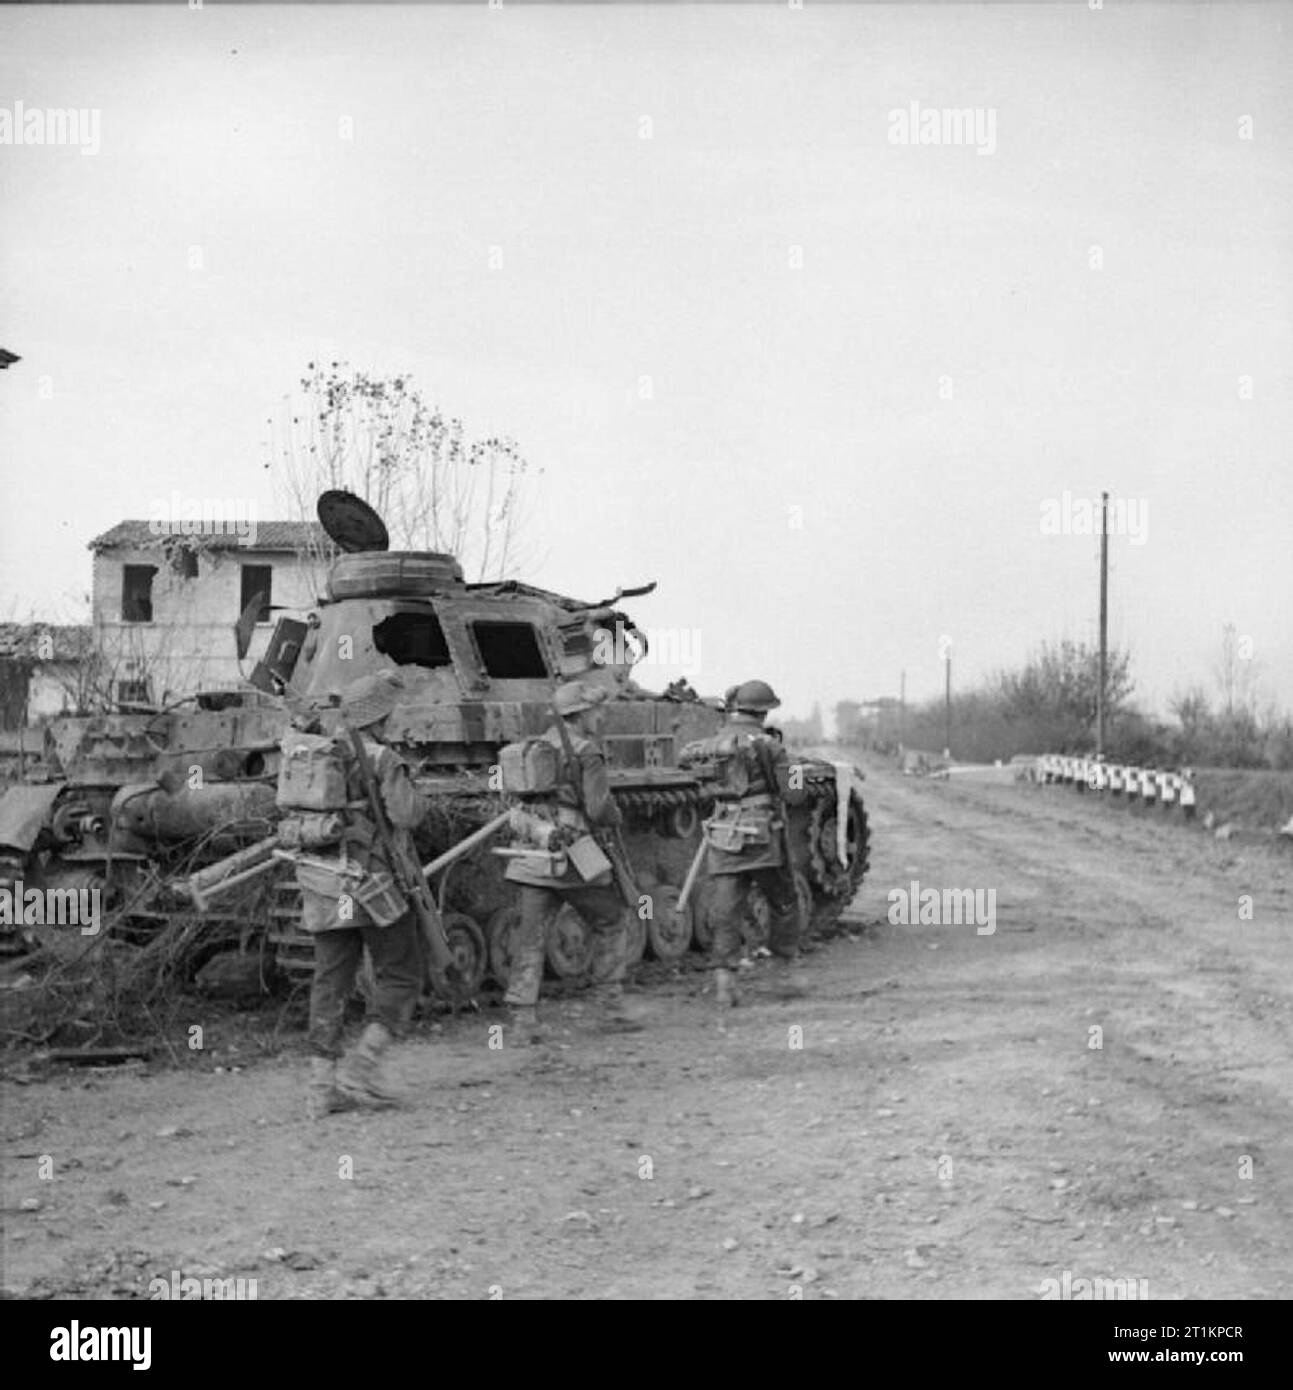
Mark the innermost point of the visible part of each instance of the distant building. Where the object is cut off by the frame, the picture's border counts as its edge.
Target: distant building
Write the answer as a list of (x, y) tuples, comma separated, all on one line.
[(41, 667), (164, 606)]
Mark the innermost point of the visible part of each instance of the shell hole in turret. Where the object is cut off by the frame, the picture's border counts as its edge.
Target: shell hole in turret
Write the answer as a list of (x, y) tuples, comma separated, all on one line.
[(412, 639)]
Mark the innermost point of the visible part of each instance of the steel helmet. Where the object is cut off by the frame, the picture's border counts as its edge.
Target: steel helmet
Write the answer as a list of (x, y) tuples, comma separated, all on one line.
[(576, 696), (754, 697), (370, 698)]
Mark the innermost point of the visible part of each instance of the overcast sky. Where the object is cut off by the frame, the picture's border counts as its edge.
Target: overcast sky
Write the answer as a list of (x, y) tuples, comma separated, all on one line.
[(872, 364)]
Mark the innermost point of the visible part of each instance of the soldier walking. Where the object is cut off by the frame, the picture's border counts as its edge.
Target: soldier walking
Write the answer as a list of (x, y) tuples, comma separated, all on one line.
[(579, 803), (745, 838), (350, 901)]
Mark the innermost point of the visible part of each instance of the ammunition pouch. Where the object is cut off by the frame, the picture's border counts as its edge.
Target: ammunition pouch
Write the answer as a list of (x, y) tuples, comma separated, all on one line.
[(328, 879), (381, 898), (589, 859)]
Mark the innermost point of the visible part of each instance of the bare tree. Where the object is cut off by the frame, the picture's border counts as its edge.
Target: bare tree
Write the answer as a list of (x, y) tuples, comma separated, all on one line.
[(1236, 673), (1061, 682), (435, 486)]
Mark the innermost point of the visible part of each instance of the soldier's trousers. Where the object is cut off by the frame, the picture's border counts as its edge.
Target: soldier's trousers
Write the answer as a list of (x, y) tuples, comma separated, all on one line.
[(396, 953), (602, 909), (727, 912)]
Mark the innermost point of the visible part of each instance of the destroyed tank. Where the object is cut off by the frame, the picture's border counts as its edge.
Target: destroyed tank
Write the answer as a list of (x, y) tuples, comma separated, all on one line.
[(124, 802), (137, 803), (479, 665)]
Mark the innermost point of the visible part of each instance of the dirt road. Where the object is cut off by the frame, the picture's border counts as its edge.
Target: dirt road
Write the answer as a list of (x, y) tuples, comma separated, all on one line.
[(936, 1119)]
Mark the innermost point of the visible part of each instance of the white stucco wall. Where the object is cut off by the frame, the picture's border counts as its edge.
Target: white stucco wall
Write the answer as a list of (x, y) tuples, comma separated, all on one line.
[(189, 645)]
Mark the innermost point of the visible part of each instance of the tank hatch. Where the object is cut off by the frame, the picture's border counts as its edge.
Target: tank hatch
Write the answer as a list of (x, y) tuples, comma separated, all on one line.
[(351, 523)]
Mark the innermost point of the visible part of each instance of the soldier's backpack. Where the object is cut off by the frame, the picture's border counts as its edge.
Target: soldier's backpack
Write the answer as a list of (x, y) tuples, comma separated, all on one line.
[(530, 767), (313, 773)]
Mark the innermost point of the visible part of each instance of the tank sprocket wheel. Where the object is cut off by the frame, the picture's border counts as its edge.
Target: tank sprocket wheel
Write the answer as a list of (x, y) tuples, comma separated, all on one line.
[(831, 878), (568, 943), (470, 954), (668, 930)]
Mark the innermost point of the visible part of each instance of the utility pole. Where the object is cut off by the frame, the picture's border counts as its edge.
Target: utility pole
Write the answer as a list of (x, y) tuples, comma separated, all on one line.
[(902, 710), (1104, 619)]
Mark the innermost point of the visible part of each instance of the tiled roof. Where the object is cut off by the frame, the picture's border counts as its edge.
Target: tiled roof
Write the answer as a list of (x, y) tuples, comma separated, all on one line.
[(69, 641), (269, 535)]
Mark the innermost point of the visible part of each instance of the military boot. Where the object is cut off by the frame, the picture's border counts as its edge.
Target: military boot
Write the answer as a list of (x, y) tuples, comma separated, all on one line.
[(726, 994), (322, 1095), (361, 1078), (785, 978), (525, 1030)]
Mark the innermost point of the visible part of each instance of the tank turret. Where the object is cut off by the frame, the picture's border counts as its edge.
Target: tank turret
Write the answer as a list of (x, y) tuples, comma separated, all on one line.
[(479, 665)]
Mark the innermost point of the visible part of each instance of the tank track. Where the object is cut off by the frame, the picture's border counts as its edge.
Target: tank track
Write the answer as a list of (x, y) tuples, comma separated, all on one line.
[(653, 814), (828, 878)]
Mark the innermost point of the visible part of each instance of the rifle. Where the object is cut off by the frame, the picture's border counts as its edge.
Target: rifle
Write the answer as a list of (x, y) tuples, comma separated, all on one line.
[(609, 837), (693, 872), (408, 875)]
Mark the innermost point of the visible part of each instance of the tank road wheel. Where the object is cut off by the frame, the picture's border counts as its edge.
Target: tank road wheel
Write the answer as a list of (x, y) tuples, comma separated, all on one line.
[(678, 822), (635, 939), (668, 930), (501, 930), (467, 946), (568, 944)]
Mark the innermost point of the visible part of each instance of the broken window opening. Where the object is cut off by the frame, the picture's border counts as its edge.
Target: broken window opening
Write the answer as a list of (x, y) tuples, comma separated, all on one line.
[(413, 639), (137, 593), (510, 651)]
